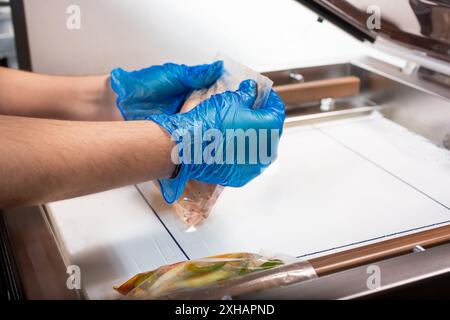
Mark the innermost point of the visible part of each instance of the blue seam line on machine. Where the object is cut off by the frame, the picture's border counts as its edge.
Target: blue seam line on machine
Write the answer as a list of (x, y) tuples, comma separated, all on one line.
[(376, 238), (346, 245), (393, 175), (380, 167), (165, 227)]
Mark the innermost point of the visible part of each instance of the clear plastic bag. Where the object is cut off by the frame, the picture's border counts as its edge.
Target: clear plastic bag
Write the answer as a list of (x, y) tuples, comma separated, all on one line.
[(198, 198), (185, 278), (197, 201)]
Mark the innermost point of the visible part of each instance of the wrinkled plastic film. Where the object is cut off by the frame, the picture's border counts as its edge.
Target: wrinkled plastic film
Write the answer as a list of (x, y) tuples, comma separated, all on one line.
[(198, 198), (197, 201), (251, 283), (216, 277), (234, 73)]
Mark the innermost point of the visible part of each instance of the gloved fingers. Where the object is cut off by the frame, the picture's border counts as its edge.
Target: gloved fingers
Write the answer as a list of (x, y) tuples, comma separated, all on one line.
[(244, 97), (247, 93), (165, 80), (273, 111), (201, 76), (134, 85), (117, 83), (274, 103)]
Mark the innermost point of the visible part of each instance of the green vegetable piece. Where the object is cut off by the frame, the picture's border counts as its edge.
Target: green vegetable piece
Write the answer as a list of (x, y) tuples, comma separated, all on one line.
[(271, 264), (200, 269)]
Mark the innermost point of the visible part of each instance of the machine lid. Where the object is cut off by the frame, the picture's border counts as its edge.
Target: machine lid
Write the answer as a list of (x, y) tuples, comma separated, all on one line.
[(421, 25)]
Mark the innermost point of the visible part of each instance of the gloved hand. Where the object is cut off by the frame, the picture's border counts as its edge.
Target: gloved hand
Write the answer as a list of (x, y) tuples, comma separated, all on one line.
[(160, 89), (222, 114)]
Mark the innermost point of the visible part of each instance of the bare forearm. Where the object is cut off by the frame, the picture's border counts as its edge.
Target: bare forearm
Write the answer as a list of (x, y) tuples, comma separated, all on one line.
[(57, 97), (46, 160)]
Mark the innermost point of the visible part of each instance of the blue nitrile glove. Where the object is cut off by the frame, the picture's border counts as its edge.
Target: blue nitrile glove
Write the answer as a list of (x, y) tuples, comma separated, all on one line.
[(160, 89), (230, 110)]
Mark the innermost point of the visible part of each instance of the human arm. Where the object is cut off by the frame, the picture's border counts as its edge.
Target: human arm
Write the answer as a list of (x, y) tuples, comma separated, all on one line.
[(139, 93), (46, 160), (84, 98)]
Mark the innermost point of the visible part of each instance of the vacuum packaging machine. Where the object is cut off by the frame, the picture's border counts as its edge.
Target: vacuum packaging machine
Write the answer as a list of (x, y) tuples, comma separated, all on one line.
[(361, 185)]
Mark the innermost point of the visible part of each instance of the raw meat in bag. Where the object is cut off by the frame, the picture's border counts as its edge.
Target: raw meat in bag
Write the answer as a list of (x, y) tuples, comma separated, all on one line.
[(198, 198)]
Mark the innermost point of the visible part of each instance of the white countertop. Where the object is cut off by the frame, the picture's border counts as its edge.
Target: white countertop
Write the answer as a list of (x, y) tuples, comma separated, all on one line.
[(335, 186)]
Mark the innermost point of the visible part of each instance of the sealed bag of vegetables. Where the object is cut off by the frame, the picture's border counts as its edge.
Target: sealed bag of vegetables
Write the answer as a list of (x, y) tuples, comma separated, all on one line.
[(198, 198), (215, 277)]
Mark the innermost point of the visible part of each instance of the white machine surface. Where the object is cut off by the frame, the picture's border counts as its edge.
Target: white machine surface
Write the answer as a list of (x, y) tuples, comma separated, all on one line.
[(336, 185)]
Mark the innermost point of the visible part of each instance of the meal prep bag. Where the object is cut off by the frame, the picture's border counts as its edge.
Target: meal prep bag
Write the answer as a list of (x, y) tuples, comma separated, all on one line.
[(198, 198), (217, 277)]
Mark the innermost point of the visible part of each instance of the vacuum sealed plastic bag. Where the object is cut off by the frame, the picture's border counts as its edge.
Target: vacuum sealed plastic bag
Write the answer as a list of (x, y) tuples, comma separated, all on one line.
[(214, 277), (198, 198), (197, 201)]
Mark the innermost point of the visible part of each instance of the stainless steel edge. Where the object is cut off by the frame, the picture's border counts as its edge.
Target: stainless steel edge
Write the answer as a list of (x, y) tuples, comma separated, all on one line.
[(359, 282)]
